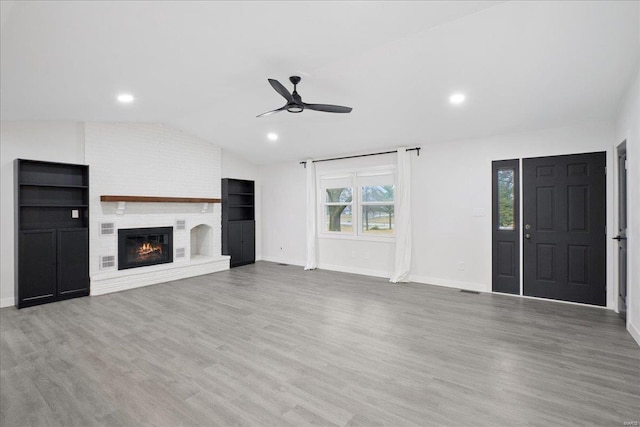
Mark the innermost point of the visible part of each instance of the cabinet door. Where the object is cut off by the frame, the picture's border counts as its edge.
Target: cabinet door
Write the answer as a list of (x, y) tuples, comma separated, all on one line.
[(248, 242), (234, 246), (73, 262), (37, 268)]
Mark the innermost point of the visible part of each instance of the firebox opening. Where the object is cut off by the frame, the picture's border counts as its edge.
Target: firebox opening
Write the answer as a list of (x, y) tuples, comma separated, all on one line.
[(139, 247)]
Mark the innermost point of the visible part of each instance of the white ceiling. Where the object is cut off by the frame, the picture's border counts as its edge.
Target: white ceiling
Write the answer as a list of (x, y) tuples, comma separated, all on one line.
[(203, 67)]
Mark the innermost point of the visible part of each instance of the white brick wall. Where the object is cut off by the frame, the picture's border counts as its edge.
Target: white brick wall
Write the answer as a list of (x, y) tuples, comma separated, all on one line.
[(150, 160)]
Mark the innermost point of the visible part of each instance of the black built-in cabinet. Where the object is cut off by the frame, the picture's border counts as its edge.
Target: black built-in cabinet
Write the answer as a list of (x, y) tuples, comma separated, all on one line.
[(238, 221), (52, 229)]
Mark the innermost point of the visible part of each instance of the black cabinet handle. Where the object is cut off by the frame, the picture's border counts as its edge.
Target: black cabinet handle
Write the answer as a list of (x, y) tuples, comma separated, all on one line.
[(618, 238)]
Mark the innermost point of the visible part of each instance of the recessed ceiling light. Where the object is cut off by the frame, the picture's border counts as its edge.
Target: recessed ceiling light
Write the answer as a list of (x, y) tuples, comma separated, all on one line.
[(457, 98), (272, 136), (125, 98)]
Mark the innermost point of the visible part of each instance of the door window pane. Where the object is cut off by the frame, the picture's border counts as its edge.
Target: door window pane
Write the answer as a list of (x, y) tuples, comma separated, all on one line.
[(378, 220), (506, 206), (338, 218)]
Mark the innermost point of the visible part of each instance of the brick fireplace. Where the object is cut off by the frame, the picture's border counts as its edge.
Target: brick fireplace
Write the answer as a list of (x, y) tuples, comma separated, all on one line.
[(179, 171)]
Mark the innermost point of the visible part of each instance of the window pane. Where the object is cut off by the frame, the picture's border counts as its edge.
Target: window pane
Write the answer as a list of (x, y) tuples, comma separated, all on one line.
[(378, 193), (378, 220), (505, 199), (339, 195), (338, 218)]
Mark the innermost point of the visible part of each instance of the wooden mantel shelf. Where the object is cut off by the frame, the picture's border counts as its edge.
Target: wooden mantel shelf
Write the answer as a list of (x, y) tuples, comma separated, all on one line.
[(155, 199)]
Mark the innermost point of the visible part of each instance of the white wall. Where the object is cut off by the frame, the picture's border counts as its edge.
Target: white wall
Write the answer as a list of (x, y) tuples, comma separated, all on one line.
[(450, 181), (628, 128), (236, 167), (283, 213), (49, 141)]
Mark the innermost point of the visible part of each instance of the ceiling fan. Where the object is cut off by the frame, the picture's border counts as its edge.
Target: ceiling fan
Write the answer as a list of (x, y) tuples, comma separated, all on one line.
[(294, 101)]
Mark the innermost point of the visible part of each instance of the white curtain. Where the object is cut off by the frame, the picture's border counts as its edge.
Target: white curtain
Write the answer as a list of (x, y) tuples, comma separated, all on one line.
[(311, 262), (402, 264)]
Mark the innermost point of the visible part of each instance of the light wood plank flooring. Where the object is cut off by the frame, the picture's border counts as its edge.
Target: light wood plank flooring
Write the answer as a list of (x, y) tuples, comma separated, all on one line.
[(267, 344)]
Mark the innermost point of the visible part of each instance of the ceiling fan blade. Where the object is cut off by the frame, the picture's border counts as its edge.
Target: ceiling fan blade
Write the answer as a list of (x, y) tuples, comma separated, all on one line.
[(281, 90), (328, 108), (268, 113)]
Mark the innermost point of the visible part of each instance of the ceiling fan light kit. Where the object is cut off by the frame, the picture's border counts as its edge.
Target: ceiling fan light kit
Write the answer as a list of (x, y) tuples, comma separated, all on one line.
[(294, 100)]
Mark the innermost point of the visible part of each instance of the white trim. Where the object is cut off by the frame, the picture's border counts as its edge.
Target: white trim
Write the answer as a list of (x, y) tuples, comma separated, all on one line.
[(354, 270), (635, 333), (345, 236), (7, 302), (471, 286), (604, 307), (356, 204), (299, 263)]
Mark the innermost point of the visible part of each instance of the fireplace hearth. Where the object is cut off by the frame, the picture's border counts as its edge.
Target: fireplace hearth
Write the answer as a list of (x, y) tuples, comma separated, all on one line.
[(140, 247)]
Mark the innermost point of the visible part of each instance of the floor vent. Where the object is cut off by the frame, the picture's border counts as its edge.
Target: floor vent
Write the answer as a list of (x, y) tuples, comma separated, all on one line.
[(283, 264), (466, 291)]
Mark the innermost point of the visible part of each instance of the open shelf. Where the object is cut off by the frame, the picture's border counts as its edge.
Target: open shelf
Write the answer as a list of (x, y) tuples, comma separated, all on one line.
[(47, 174), (38, 205), (52, 185)]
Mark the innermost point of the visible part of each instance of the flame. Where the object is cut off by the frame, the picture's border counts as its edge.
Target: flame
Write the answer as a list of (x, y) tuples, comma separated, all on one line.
[(147, 248)]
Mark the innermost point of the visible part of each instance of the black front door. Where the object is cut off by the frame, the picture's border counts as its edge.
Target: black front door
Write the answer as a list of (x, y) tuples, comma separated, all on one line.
[(564, 217)]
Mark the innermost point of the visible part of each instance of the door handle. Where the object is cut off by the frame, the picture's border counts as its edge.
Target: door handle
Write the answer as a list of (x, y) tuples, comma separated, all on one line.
[(618, 238), (527, 236)]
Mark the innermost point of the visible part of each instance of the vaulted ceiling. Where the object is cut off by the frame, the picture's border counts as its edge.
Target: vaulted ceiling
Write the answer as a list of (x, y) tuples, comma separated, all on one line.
[(203, 67)]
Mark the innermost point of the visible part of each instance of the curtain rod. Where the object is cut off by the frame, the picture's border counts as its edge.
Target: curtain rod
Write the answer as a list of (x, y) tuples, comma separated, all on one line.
[(417, 149)]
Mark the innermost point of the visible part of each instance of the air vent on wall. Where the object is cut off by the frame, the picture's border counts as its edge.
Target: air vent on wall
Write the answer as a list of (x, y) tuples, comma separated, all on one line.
[(107, 261), (180, 252), (107, 228), (181, 224)]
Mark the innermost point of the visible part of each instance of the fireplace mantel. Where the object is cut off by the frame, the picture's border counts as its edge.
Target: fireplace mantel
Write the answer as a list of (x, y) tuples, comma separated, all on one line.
[(123, 200), (157, 199)]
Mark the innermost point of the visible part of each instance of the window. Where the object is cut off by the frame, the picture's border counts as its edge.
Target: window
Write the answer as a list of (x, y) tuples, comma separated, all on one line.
[(358, 204), (505, 199)]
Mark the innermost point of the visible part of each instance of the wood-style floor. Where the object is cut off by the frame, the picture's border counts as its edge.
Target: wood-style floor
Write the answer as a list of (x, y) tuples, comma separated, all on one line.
[(274, 345)]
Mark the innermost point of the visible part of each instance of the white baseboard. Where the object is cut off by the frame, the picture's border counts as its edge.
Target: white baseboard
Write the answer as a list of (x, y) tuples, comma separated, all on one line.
[(635, 332), (7, 302), (354, 270), (281, 260), (470, 286)]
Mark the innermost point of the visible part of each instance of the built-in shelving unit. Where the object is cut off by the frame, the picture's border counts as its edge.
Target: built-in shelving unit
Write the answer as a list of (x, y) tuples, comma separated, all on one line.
[(238, 221), (52, 220)]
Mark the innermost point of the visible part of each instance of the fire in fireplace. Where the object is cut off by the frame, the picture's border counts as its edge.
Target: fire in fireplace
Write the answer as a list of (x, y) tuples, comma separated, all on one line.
[(139, 247)]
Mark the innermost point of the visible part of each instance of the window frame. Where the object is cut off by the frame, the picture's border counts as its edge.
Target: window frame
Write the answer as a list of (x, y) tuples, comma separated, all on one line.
[(357, 204)]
